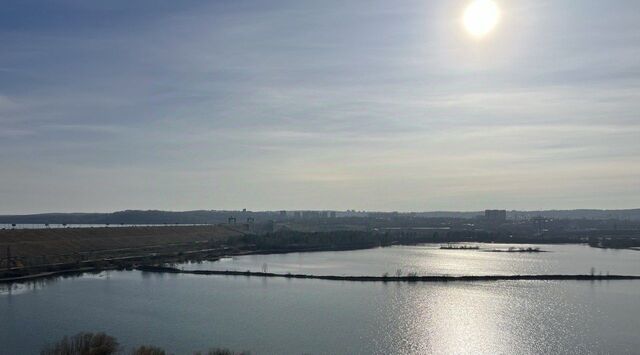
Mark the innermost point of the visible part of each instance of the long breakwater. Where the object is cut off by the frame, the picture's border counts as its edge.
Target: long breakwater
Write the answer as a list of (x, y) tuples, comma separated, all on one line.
[(407, 278)]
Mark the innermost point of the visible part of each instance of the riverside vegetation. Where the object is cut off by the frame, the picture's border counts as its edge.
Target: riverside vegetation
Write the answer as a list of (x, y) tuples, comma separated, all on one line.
[(102, 344)]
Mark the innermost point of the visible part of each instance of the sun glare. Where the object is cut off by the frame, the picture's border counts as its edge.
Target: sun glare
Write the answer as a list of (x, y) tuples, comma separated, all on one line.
[(481, 17)]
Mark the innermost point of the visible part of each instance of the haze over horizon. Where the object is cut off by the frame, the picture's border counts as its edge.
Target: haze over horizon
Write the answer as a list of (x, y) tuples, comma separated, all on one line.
[(368, 105)]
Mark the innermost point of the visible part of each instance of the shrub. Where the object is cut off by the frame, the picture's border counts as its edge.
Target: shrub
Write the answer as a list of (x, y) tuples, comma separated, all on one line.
[(102, 344), (84, 344)]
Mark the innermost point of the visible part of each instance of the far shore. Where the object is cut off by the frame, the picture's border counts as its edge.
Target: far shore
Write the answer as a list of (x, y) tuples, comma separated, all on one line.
[(36, 254)]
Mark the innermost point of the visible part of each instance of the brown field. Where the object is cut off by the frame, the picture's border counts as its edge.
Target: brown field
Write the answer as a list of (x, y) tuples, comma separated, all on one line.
[(44, 246)]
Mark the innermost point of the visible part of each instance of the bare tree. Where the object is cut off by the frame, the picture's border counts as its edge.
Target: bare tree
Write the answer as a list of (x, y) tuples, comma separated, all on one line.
[(84, 343), (148, 350)]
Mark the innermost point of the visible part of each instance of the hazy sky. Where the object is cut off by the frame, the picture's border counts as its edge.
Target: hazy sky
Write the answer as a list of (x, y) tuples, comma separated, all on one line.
[(377, 105)]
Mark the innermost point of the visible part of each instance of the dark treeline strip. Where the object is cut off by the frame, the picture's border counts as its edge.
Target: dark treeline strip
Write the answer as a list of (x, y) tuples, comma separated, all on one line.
[(408, 278), (102, 344), (218, 216), (139, 217), (615, 243), (292, 239)]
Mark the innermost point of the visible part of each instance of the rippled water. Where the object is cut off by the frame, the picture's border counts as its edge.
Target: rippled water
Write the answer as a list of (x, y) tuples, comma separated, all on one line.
[(277, 316)]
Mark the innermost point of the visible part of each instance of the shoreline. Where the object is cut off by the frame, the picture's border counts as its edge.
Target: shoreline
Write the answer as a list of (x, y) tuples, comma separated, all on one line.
[(411, 278), (134, 262), (145, 261), (58, 273)]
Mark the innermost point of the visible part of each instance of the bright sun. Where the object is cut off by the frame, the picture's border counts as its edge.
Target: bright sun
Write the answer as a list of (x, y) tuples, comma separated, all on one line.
[(480, 17)]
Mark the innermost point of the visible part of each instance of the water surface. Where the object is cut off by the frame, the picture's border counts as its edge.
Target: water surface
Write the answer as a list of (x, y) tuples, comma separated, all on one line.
[(429, 259), (183, 313)]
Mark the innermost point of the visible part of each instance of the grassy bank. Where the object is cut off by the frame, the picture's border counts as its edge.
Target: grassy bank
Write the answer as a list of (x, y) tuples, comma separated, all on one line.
[(39, 253), (65, 247)]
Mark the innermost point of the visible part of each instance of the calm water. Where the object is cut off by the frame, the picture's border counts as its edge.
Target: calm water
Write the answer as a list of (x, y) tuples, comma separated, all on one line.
[(429, 259), (276, 316)]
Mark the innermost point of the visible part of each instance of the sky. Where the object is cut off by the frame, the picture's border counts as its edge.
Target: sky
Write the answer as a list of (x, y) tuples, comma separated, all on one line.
[(268, 105)]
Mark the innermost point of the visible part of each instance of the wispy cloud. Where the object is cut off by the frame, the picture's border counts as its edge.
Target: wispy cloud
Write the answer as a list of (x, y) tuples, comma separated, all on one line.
[(286, 104)]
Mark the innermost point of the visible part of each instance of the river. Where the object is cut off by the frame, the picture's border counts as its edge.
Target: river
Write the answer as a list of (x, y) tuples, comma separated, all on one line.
[(184, 313)]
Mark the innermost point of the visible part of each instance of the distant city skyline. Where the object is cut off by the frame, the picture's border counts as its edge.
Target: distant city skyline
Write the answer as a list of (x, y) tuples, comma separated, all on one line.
[(295, 105)]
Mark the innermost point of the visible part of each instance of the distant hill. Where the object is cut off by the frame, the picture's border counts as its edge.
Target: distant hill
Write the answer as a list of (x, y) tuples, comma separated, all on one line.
[(628, 214), (137, 217), (216, 216)]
